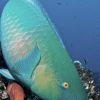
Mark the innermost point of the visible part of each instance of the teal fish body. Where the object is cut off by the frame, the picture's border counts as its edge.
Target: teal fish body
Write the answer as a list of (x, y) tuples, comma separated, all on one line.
[(35, 53)]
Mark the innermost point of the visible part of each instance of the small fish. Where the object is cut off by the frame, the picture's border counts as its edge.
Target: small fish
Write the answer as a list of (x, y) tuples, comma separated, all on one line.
[(35, 53), (59, 3), (85, 61)]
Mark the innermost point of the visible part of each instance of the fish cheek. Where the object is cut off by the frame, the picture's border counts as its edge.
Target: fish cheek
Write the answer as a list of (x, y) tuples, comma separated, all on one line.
[(45, 82)]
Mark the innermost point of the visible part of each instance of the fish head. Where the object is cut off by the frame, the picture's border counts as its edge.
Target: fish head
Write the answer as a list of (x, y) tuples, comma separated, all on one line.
[(49, 86)]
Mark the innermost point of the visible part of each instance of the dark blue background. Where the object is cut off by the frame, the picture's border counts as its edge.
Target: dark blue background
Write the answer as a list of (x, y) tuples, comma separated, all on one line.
[(78, 23)]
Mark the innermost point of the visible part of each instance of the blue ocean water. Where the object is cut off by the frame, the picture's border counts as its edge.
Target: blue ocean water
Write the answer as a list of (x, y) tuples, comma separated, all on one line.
[(78, 23)]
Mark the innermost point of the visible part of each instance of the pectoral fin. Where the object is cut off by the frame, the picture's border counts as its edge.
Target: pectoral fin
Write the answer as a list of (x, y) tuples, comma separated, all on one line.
[(26, 65), (6, 73)]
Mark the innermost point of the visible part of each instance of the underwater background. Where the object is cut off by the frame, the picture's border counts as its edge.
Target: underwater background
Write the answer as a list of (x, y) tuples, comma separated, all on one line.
[(78, 23)]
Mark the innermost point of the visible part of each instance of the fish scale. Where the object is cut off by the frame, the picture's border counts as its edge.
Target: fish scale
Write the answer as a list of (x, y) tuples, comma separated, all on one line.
[(35, 53)]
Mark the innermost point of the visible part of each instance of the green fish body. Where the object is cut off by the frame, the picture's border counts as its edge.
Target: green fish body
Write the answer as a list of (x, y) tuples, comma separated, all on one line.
[(35, 53)]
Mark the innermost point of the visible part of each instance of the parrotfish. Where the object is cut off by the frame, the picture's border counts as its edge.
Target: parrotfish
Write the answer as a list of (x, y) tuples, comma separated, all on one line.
[(35, 53)]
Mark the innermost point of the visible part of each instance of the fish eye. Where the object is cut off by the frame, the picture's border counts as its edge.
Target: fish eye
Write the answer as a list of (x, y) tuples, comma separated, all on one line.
[(65, 85)]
